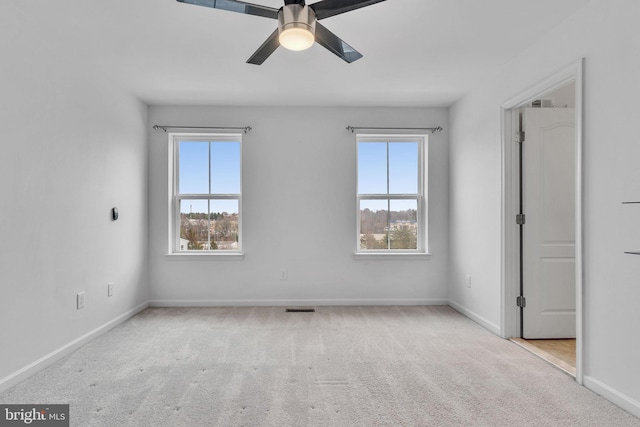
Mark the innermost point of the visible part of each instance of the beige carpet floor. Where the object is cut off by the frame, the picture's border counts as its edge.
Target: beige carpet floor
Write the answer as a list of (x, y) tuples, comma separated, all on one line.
[(340, 366)]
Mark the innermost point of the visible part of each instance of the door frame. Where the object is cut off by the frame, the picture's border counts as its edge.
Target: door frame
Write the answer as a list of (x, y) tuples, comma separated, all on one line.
[(510, 239)]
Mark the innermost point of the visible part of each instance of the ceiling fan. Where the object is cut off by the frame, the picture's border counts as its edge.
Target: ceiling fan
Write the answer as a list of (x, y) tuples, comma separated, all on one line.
[(298, 26)]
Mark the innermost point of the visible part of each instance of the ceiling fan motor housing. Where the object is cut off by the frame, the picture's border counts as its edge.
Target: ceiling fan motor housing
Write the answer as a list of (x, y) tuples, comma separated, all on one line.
[(296, 16)]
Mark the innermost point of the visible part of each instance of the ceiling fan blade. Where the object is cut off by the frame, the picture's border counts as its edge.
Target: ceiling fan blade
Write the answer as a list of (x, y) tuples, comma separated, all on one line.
[(264, 51), (327, 8), (237, 6), (334, 44)]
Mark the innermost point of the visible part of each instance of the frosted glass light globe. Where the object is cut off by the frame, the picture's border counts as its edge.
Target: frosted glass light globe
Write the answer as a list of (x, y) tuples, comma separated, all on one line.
[(296, 39)]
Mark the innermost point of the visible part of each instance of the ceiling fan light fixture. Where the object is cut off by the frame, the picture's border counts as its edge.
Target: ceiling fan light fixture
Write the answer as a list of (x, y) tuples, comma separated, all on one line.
[(296, 38), (296, 27)]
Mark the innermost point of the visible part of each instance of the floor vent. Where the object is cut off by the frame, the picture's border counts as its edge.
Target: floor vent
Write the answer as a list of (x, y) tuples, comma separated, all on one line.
[(300, 310)]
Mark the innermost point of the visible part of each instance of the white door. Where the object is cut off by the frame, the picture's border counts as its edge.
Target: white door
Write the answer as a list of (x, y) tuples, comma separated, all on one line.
[(549, 230)]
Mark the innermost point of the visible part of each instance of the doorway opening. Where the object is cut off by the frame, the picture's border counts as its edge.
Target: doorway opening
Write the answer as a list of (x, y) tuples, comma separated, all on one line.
[(542, 220), (558, 352)]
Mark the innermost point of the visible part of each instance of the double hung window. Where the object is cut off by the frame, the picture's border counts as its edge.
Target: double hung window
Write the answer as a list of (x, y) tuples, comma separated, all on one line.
[(391, 198), (206, 204)]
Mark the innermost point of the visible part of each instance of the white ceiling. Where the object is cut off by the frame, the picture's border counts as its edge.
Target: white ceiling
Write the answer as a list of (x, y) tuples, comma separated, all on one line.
[(416, 52)]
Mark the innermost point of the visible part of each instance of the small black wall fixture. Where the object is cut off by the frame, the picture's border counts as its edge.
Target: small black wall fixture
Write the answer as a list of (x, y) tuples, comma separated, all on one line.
[(114, 214)]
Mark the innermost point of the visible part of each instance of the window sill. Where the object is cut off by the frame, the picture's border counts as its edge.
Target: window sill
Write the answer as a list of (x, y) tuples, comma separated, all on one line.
[(209, 256), (400, 256)]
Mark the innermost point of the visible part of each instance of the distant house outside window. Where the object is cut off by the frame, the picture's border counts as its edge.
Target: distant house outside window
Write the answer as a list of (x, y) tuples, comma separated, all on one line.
[(206, 199), (391, 195)]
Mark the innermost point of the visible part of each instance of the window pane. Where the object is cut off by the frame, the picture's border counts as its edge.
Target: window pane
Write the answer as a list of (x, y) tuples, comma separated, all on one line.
[(403, 168), (374, 224), (194, 167), (194, 225), (224, 225), (372, 168), (404, 224), (225, 167)]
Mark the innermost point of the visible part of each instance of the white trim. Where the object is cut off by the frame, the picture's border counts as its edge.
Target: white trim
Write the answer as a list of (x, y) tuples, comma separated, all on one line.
[(399, 256), (509, 237), (622, 400), (296, 302), (550, 84), (580, 209), (424, 191), (205, 256), (49, 359), (397, 137), (421, 197), (174, 177), (490, 326)]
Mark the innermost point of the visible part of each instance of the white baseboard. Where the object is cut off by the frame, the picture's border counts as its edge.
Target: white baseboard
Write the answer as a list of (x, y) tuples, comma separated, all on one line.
[(293, 302), (625, 402), (492, 327), (49, 359)]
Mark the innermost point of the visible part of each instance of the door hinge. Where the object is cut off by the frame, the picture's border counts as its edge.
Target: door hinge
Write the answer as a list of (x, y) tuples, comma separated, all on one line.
[(521, 301), (520, 219), (520, 137)]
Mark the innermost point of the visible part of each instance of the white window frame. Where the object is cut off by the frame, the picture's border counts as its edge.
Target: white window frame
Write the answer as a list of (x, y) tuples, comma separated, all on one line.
[(421, 196), (175, 197)]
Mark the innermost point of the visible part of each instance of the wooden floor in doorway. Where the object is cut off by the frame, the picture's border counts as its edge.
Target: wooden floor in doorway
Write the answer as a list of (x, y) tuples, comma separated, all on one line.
[(561, 353)]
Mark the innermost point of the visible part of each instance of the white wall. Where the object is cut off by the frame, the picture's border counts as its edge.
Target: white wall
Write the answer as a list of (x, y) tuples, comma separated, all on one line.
[(73, 146), (606, 34), (299, 213)]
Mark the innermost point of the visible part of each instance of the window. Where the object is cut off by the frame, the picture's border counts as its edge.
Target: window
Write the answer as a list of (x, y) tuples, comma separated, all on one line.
[(391, 194), (206, 202)]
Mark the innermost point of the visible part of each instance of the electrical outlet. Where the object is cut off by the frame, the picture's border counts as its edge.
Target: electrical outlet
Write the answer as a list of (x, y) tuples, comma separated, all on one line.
[(283, 274), (79, 300), (110, 289), (467, 281)]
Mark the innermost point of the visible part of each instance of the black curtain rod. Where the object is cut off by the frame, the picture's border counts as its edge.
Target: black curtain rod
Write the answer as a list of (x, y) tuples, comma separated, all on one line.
[(245, 129), (433, 130)]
